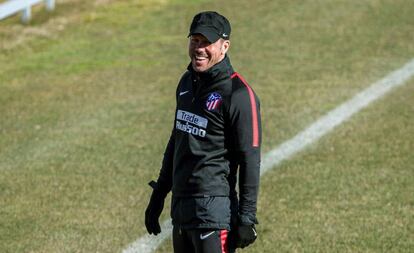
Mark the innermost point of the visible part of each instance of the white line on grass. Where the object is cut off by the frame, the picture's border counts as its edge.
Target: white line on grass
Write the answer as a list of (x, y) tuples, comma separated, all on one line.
[(149, 243), (319, 128)]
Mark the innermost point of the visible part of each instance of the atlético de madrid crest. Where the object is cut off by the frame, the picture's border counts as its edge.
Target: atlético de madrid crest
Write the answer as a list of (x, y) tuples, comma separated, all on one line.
[(213, 101)]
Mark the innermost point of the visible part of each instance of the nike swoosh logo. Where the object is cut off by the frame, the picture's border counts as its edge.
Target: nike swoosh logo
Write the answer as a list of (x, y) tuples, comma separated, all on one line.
[(255, 233), (202, 237), (183, 92)]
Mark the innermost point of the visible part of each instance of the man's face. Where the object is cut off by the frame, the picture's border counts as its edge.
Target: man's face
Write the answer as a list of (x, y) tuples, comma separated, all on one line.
[(204, 54)]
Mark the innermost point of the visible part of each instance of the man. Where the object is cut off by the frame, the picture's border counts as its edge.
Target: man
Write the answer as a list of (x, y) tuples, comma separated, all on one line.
[(216, 132)]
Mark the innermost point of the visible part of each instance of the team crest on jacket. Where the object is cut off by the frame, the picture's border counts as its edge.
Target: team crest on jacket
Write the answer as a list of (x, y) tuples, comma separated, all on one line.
[(213, 101)]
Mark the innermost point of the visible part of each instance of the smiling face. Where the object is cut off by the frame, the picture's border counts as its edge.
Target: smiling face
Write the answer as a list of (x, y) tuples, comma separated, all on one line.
[(204, 54)]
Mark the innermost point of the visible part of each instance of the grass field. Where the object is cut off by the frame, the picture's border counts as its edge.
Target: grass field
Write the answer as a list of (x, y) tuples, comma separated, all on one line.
[(87, 100)]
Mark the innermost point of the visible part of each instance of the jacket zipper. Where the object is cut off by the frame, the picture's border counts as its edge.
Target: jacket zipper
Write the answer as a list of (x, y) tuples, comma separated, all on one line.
[(196, 87)]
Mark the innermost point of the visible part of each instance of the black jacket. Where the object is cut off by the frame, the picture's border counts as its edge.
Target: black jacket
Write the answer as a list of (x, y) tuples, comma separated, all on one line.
[(217, 129)]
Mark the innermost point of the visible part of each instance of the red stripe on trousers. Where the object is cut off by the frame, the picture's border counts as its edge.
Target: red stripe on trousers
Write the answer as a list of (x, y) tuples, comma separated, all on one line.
[(254, 110), (223, 238)]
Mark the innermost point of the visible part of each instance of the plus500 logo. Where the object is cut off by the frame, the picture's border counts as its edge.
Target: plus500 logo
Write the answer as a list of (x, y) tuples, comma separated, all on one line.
[(190, 129)]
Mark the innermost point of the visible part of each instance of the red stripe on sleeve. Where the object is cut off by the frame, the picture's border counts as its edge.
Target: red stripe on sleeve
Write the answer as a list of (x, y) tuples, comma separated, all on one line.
[(254, 110)]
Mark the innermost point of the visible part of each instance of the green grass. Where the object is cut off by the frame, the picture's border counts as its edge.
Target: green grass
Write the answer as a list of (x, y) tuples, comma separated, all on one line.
[(352, 191), (87, 109)]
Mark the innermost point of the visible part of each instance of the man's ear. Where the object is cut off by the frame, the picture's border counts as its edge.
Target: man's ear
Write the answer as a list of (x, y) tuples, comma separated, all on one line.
[(225, 46)]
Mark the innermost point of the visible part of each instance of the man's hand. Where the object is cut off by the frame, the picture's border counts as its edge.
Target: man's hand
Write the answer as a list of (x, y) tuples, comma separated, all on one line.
[(153, 212), (245, 235)]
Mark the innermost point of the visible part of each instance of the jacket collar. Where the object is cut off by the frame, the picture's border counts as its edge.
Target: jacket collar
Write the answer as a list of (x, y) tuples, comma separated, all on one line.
[(220, 71)]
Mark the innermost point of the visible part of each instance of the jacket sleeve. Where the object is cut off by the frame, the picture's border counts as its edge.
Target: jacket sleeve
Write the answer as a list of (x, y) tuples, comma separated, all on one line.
[(246, 129), (164, 182)]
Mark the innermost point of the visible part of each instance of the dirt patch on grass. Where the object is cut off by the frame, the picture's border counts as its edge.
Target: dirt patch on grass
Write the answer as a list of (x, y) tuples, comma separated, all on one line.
[(17, 35), (14, 34), (48, 25)]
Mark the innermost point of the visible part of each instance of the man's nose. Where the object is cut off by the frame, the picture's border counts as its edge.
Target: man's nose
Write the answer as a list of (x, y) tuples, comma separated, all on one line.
[(198, 49), (199, 44)]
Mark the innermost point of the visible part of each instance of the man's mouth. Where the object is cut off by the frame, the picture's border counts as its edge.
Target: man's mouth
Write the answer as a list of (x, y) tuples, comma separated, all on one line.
[(200, 58)]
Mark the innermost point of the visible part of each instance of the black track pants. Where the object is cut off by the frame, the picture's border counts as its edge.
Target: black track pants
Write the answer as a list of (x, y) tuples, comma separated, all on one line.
[(200, 241)]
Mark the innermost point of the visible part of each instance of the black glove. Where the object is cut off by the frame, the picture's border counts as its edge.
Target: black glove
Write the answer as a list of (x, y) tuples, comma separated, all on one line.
[(154, 209), (244, 235)]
